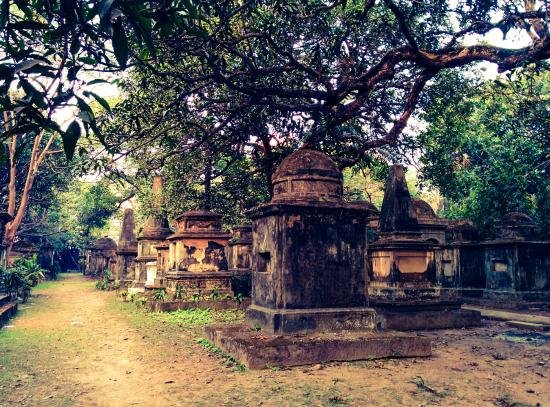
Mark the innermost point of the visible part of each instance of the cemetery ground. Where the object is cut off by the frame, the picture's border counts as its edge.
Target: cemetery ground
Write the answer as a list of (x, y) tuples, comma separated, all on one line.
[(74, 345)]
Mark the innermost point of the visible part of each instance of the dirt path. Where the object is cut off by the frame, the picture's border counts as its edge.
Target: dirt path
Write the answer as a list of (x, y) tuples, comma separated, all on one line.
[(76, 346)]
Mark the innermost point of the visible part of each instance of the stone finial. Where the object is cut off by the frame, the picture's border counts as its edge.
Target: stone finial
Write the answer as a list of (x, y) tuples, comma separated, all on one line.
[(307, 175), (127, 239), (397, 214), (156, 226), (127, 230)]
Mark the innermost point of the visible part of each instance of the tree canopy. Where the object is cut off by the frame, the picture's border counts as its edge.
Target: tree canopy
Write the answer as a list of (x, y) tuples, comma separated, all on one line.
[(486, 148), (343, 75)]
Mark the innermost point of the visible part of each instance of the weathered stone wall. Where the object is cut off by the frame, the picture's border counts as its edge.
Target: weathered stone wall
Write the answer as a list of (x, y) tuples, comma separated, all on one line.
[(517, 269), (309, 257)]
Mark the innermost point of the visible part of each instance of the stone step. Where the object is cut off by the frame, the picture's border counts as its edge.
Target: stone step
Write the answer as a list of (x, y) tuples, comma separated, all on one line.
[(529, 326), (501, 315), (258, 349), (7, 311)]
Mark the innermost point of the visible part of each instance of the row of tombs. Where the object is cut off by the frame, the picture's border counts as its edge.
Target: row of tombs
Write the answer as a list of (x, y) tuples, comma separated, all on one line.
[(308, 261)]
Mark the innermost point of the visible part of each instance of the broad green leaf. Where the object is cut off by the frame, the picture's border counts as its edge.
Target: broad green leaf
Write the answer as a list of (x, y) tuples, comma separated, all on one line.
[(120, 43), (70, 138), (96, 81), (99, 99)]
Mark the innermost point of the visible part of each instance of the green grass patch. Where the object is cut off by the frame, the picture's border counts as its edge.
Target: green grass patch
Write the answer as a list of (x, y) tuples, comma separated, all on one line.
[(191, 318), (45, 285)]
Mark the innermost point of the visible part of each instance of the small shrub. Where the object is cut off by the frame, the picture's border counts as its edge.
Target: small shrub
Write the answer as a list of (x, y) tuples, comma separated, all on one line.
[(124, 295), (21, 277), (215, 294), (160, 295), (239, 297), (140, 301), (105, 283), (179, 293)]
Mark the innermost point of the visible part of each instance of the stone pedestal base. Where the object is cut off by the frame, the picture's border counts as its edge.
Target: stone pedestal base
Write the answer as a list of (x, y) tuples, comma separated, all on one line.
[(425, 315), (282, 321), (258, 350), (205, 283)]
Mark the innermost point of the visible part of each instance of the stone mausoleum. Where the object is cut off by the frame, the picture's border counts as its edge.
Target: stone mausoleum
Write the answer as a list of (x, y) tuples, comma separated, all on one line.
[(101, 256), (309, 276), (516, 265), (154, 231), (308, 252), (404, 286), (196, 258)]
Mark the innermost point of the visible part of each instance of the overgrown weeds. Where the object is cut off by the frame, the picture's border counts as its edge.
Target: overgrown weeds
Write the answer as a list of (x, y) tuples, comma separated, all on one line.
[(228, 360)]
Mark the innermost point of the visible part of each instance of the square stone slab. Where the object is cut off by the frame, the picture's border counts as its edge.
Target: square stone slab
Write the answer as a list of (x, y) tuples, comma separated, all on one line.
[(257, 349)]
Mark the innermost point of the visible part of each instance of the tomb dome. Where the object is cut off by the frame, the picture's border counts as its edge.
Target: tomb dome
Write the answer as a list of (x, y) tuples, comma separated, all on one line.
[(422, 209), (104, 243), (516, 225), (307, 175), (462, 230), (366, 205), (517, 219)]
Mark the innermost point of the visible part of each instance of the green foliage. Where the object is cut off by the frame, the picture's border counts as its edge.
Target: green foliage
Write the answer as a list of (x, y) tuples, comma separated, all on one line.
[(48, 40), (21, 277), (486, 148), (98, 204), (179, 292), (239, 298), (228, 360), (195, 317), (215, 294), (85, 210), (140, 301), (105, 284), (160, 295)]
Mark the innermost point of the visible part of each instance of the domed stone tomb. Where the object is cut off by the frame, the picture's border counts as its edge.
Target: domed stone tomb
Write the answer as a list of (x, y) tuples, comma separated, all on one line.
[(308, 252), (516, 225), (430, 225)]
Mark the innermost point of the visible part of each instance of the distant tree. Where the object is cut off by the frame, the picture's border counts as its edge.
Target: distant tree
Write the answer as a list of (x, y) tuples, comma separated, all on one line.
[(37, 170), (96, 205), (486, 147)]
